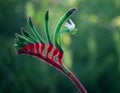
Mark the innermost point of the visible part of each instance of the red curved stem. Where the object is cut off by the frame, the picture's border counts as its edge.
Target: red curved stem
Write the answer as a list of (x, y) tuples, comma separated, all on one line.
[(29, 49), (70, 75), (76, 82)]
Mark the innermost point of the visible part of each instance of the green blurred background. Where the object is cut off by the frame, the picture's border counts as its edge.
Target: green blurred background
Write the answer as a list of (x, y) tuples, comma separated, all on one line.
[(93, 53)]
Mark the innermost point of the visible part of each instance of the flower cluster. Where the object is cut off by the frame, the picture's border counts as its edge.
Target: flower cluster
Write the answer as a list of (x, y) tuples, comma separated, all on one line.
[(33, 44)]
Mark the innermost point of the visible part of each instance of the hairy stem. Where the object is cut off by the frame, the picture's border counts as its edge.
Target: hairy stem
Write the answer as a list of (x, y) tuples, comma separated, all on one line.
[(66, 72), (76, 82)]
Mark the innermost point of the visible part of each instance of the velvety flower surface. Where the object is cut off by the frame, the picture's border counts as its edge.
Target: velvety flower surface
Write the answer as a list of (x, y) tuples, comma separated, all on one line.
[(31, 43)]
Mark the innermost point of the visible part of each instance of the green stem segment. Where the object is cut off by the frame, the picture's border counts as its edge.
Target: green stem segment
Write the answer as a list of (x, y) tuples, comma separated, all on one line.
[(46, 27), (35, 32), (58, 26)]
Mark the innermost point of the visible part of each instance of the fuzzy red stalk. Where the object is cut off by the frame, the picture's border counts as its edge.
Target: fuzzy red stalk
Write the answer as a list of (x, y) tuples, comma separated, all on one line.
[(36, 51)]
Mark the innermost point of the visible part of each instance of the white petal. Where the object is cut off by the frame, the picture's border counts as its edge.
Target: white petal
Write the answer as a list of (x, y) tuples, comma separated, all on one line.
[(71, 22), (66, 24), (70, 26)]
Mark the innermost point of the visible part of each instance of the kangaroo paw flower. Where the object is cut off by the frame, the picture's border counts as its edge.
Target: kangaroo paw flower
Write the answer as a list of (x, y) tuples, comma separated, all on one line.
[(33, 44)]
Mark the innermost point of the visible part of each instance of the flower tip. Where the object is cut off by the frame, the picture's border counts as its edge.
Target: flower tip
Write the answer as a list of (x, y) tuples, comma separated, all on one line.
[(16, 34), (47, 11), (22, 28), (29, 17), (15, 45), (47, 14), (70, 26), (75, 8), (30, 21)]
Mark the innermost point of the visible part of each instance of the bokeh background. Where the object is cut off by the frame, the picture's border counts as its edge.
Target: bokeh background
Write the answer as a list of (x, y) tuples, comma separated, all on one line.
[(93, 53)]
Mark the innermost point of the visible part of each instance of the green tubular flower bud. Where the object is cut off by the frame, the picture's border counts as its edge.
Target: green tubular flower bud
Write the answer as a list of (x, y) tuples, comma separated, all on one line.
[(61, 21), (25, 33), (28, 35), (16, 40), (20, 44), (35, 32), (23, 39), (17, 47), (46, 27)]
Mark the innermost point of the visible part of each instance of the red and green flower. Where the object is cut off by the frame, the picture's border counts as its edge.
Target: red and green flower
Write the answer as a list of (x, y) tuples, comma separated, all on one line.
[(31, 43)]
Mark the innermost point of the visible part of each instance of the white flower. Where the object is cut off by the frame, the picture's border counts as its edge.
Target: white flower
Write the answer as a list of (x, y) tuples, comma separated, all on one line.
[(70, 26)]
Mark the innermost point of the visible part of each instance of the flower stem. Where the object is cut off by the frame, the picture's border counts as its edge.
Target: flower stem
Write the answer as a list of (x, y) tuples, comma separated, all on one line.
[(62, 68), (76, 82), (66, 72)]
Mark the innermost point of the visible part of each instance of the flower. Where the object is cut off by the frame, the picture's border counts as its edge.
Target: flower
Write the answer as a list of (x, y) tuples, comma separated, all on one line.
[(70, 26), (32, 44)]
